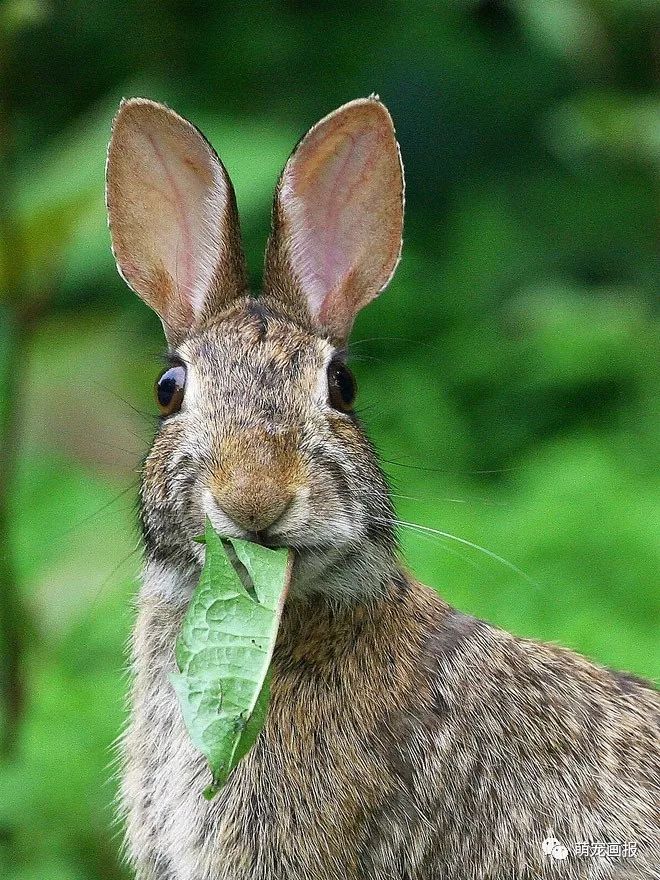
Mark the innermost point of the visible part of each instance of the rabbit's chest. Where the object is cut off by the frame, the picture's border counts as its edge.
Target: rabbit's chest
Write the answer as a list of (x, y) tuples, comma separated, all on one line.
[(302, 804)]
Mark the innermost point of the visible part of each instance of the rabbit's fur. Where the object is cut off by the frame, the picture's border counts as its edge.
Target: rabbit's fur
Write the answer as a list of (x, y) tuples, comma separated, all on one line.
[(404, 739)]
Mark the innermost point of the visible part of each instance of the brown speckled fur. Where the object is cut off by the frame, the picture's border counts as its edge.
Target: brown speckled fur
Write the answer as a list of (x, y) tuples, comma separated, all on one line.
[(405, 740)]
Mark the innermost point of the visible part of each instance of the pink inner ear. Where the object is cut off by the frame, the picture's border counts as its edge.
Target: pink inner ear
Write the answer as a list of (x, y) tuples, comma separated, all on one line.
[(167, 206), (332, 197), (181, 234), (188, 196), (340, 203)]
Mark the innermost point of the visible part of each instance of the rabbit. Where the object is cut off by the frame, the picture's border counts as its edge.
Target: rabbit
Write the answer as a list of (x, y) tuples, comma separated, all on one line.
[(405, 739)]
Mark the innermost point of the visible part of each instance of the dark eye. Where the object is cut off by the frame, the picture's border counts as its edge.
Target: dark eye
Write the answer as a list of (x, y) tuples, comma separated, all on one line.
[(169, 390), (342, 386)]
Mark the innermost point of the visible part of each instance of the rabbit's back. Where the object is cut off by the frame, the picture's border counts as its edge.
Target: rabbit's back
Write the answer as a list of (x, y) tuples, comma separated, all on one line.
[(406, 740)]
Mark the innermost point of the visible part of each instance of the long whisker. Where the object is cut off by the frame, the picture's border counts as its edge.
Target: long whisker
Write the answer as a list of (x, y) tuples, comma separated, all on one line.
[(451, 550), (445, 471), (100, 589), (149, 417), (346, 520), (403, 339), (476, 500), (62, 537), (132, 487), (429, 531)]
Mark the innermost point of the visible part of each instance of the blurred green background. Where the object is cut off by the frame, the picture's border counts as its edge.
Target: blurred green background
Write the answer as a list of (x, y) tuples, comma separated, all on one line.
[(509, 375)]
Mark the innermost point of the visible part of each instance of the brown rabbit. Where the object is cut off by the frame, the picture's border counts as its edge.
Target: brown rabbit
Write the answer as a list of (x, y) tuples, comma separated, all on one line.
[(405, 740)]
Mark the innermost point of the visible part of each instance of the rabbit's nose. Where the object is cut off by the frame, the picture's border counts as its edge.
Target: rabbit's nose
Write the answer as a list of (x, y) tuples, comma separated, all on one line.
[(254, 502)]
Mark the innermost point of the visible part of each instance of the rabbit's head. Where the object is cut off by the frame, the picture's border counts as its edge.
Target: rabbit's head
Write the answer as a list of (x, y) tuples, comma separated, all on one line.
[(258, 430)]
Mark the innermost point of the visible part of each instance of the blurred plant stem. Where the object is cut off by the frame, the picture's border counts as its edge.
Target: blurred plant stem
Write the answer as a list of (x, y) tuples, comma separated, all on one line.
[(13, 616), (18, 320)]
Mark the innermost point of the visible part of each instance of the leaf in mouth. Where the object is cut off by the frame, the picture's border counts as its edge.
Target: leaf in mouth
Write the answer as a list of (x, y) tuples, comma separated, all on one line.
[(224, 649)]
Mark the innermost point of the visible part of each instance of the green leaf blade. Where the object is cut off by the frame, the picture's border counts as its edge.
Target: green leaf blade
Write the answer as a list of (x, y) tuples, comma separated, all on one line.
[(224, 649)]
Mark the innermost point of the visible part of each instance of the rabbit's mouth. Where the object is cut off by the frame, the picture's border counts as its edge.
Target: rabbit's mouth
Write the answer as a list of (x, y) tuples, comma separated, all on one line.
[(269, 534), (293, 528), (265, 541), (259, 538), (329, 551)]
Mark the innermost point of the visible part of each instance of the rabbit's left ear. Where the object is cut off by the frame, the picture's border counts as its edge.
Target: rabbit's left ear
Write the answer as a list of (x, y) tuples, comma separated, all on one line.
[(338, 218)]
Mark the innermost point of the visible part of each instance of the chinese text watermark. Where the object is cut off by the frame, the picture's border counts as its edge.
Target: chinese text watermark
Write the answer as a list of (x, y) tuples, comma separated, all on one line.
[(610, 849)]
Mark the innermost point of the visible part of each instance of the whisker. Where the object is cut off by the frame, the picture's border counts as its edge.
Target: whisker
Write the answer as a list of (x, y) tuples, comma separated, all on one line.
[(94, 598), (436, 498), (136, 452), (428, 530), (132, 486), (446, 471), (42, 555), (451, 550), (150, 417), (353, 358), (346, 520), (415, 342)]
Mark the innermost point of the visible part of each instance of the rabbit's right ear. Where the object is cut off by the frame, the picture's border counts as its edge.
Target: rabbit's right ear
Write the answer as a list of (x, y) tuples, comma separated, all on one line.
[(172, 217)]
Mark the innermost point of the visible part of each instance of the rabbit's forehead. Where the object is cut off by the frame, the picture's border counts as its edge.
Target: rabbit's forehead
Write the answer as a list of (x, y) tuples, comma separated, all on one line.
[(275, 357)]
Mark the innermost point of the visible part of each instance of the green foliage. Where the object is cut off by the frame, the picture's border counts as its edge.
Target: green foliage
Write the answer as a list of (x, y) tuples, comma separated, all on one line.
[(224, 650), (508, 376)]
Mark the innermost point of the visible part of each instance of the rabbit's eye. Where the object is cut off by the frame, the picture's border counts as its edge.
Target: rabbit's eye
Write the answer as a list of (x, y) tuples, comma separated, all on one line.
[(342, 386), (169, 390)]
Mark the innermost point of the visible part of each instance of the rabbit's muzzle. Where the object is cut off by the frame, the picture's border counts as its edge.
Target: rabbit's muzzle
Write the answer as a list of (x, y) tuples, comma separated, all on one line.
[(253, 502), (257, 480)]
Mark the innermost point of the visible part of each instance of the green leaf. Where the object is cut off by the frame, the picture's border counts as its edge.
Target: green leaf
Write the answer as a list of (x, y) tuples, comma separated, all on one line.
[(225, 646)]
